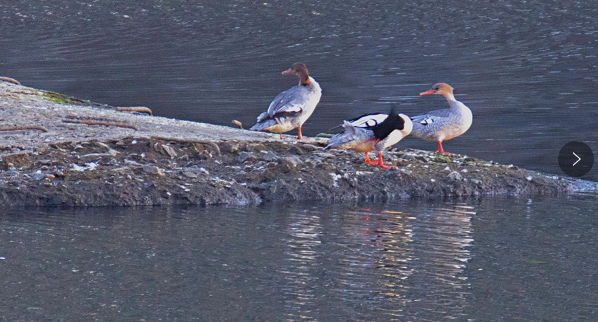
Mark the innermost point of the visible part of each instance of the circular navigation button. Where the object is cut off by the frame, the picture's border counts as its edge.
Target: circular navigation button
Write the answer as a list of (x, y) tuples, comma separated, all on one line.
[(576, 159)]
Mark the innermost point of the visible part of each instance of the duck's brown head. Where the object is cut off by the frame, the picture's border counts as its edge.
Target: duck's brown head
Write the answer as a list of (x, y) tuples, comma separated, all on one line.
[(299, 69), (440, 89)]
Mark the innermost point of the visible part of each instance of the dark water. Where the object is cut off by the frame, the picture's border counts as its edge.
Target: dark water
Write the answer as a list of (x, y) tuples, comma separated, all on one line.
[(490, 260), (528, 69)]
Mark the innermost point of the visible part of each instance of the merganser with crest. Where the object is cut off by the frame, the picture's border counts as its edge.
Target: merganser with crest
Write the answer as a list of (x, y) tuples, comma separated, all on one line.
[(445, 124), (361, 136), (291, 108)]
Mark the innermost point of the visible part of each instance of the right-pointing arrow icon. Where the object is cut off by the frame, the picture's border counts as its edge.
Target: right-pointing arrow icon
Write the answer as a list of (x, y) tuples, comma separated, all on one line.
[(570, 161), (578, 158)]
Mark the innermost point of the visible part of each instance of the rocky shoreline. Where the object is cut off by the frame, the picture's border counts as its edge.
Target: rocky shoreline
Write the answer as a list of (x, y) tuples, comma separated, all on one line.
[(56, 152)]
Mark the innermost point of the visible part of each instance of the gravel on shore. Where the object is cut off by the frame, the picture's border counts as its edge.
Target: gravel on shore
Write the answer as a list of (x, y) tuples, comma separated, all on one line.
[(56, 152)]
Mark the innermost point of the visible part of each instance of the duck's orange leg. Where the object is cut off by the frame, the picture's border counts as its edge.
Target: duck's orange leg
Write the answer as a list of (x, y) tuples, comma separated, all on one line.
[(299, 136), (280, 135), (381, 162), (368, 160), (440, 149)]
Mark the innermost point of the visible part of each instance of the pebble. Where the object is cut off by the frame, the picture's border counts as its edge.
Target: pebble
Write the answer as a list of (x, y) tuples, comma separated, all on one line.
[(296, 150), (152, 169), (269, 156), (189, 174), (39, 175), (292, 161), (310, 147), (244, 156), (170, 151), (455, 176)]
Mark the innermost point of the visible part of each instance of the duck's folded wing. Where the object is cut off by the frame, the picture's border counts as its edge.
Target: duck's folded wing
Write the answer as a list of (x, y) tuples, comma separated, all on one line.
[(368, 120), (365, 121), (288, 101), (431, 117)]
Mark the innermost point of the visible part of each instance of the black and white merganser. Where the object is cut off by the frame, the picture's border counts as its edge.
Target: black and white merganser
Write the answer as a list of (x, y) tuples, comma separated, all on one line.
[(291, 108), (366, 134), (445, 124)]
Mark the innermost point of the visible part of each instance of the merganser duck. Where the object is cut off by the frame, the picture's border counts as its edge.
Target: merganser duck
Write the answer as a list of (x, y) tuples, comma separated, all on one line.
[(363, 136), (442, 125), (291, 108)]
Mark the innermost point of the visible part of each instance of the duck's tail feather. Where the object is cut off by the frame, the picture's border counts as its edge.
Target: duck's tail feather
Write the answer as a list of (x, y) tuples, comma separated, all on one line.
[(343, 138)]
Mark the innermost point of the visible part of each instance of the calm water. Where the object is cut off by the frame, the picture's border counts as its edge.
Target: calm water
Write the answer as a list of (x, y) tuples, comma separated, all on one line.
[(528, 69), (491, 260)]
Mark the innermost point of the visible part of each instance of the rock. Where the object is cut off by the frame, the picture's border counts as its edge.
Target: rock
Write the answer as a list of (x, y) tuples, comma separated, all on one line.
[(38, 175), (291, 161), (296, 150), (325, 155), (269, 156), (246, 156), (189, 174), (226, 147), (209, 149), (455, 176), (152, 169), (256, 148), (16, 160), (117, 167), (310, 147), (170, 151)]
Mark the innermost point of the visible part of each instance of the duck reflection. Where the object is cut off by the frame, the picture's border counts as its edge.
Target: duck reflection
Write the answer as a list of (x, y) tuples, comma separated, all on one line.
[(367, 261)]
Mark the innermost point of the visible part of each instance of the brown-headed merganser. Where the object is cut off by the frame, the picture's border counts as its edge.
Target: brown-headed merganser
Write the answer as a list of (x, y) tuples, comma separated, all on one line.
[(366, 134), (442, 125), (291, 108)]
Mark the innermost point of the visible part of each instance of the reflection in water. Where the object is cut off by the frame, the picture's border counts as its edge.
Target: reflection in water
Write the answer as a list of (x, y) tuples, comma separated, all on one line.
[(503, 259), (302, 264), (443, 237), (376, 264)]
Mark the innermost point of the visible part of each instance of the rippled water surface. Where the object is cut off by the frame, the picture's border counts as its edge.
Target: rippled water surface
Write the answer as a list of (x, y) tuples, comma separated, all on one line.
[(491, 260), (528, 69)]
